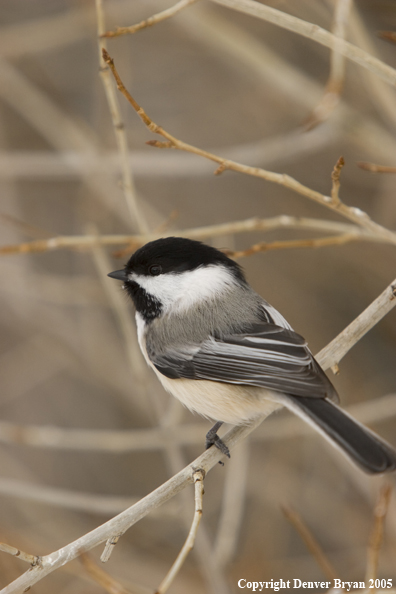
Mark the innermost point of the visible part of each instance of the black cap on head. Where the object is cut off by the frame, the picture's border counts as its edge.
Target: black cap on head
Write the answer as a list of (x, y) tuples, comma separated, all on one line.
[(178, 254)]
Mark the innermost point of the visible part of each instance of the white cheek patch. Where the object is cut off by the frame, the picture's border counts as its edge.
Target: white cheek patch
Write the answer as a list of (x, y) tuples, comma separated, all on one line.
[(185, 289)]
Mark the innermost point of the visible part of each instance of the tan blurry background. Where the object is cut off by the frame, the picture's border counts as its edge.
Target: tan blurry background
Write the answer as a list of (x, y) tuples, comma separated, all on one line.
[(244, 88)]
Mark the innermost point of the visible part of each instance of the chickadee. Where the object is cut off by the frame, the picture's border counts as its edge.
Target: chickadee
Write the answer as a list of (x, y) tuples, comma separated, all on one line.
[(226, 353)]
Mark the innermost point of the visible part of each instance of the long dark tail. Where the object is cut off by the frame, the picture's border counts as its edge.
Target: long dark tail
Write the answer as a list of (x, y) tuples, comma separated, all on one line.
[(359, 443)]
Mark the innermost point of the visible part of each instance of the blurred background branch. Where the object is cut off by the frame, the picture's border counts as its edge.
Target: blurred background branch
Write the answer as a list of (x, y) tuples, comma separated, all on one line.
[(85, 429)]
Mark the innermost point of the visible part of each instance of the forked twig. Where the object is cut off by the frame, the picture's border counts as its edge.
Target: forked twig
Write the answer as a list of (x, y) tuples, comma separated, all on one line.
[(206, 461), (354, 214), (130, 516)]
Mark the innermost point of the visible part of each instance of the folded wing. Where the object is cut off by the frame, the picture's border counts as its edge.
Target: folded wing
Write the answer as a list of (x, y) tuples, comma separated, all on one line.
[(264, 355)]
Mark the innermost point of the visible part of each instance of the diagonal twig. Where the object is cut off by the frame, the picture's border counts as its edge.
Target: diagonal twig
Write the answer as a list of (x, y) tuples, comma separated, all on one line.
[(119, 130), (331, 355), (310, 542), (101, 577), (199, 476), (126, 519), (314, 32), (376, 538), (354, 214), (153, 20), (335, 82), (206, 462)]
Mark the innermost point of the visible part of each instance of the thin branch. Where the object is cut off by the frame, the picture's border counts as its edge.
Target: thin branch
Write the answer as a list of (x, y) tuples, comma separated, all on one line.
[(335, 178), (32, 559), (58, 128), (126, 519), (86, 242), (332, 354), (25, 228), (137, 366), (113, 441), (119, 524), (377, 534), (293, 244), (376, 168), (233, 44), (232, 505), (199, 476), (52, 32), (310, 542), (153, 20), (281, 147), (215, 580), (380, 93), (175, 461), (337, 61), (87, 502), (101, 577), (144, 440), (354, 214), (370, 412), (45, 33), (276, 429), (109, 547), (61, 130), (313, 32), (67, 27), (119, 128), (335, 82)]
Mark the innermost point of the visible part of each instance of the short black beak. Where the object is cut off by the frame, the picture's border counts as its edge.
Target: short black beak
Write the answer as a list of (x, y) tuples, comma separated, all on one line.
[(118, 275)]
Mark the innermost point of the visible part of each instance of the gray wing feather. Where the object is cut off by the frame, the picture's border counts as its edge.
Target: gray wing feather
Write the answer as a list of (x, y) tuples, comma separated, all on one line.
[(265, 355)]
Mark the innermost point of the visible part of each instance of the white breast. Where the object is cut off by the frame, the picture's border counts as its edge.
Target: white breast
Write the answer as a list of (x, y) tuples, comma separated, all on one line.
[(231, 403)]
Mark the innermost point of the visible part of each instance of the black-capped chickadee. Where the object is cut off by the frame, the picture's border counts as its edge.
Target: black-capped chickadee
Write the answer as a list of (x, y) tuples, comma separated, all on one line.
[(227, 354)]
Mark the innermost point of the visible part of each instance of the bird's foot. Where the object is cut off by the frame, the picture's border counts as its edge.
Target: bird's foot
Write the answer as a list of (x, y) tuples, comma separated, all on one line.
[(213, 439)]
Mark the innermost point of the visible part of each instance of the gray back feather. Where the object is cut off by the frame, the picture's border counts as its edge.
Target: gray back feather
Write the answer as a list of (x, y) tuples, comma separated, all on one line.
[(227, 313)]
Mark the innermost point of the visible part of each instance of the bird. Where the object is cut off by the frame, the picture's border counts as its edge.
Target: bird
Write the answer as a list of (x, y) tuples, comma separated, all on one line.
[(227, 354)]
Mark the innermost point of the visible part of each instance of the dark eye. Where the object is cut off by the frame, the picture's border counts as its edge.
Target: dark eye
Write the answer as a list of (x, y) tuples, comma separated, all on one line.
[(155, 269)]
